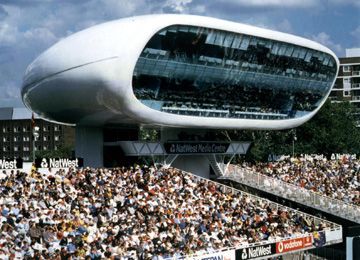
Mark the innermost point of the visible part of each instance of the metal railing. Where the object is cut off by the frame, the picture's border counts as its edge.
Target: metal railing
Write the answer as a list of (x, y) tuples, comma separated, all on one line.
[(294, 193)]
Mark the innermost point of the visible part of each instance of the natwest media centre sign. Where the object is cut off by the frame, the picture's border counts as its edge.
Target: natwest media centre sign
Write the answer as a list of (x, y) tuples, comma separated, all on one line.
[(59, 163), (293, 244), (195, 147)]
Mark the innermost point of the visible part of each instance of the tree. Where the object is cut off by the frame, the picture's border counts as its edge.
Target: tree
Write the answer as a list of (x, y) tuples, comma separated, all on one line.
[(62, 152), (332, 130)]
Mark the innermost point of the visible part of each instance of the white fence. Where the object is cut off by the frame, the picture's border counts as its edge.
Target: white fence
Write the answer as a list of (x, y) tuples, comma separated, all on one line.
[(295, 193)]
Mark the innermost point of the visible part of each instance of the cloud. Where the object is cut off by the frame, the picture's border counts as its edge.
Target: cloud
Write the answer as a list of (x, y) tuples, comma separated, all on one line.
[(275, 3), (40, 34), (178, 6), (3, 13), (355, 3), (8, 34), (324, 39), (285, 26), (356, 34)]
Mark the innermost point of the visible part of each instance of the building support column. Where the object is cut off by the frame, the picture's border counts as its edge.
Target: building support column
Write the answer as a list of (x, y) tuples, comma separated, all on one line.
[(90, 145)]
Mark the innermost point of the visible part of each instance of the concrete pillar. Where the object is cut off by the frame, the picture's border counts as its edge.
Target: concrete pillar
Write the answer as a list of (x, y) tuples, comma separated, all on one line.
[(196, 164), (89, 145)]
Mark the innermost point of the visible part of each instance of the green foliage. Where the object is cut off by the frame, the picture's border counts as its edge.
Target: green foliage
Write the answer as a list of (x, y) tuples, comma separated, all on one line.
[(149, 134), (332, 130)]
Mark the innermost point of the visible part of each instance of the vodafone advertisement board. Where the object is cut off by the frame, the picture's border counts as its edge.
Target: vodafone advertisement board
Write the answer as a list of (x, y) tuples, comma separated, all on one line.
[(293, 244)]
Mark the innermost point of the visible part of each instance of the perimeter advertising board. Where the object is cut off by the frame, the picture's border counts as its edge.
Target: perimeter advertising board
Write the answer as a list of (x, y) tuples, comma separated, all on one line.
[(59, 163), (11, 164), (224, 255), (256, 251), (293, 244)]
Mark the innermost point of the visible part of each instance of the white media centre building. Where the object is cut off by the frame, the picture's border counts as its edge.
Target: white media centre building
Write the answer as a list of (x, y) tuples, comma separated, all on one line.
[(177, 72)]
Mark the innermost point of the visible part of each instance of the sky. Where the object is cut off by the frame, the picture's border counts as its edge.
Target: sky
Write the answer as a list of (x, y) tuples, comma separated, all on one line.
[(29, 27)]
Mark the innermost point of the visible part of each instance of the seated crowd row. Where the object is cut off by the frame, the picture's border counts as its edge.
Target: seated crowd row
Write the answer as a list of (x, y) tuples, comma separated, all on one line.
[(132, 213), (338, 179)]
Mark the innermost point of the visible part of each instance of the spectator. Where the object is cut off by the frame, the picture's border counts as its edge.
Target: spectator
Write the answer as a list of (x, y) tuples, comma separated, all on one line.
[(338, 179), (132, 213)]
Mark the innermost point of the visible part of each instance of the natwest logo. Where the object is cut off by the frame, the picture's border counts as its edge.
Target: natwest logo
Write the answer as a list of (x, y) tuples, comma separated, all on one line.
[(10, 164), (255, 252), (59, 163), (293, 244)]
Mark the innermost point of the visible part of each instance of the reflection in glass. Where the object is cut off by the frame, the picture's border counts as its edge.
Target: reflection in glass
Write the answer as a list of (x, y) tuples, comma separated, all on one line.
[(204, 72)]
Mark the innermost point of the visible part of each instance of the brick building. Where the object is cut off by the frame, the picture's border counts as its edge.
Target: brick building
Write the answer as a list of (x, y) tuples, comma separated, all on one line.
[(16, 138), (347, 85)]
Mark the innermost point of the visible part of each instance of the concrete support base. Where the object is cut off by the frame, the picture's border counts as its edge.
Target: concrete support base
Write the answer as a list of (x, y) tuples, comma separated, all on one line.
[(198, 164), (89, 145)]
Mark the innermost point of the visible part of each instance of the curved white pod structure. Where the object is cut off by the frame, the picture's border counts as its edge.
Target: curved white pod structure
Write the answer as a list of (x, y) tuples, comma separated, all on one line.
[(181, 71)]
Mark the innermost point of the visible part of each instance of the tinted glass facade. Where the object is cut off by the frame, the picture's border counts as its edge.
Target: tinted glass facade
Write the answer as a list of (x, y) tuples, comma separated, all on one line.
[(204, 72)]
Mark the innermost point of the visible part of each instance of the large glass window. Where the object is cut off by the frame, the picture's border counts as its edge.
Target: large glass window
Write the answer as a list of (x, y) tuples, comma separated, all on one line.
[(211, 73)]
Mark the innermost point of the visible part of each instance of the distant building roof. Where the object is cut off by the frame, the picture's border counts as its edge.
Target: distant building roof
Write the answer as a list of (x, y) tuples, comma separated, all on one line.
[(21, 113), (15, 113), (6, 113), (354, 52)]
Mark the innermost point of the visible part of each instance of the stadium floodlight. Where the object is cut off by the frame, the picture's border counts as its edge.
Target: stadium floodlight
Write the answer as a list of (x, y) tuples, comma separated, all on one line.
[(36, 135)]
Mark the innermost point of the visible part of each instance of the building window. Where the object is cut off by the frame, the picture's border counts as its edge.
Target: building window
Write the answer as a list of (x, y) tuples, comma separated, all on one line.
[(26, 138), (26, 148), (16, 138), (55, 148), (44, 138), (16, 148), (45, 147), (346, 68), (56, 138), (26, 158), (4, 129), (5, 139), (346, 93)]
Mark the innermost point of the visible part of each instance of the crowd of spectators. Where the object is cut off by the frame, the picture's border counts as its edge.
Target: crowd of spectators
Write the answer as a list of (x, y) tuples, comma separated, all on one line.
[(338, 179), (132, 213)]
